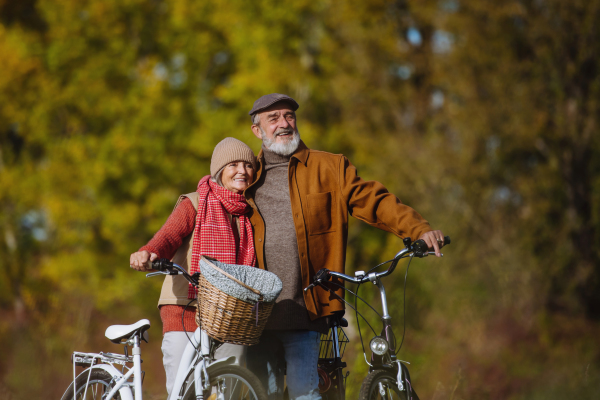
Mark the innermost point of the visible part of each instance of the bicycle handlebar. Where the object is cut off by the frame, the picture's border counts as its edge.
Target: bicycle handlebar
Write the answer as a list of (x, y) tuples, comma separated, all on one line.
[(166, 267), (418, 248)]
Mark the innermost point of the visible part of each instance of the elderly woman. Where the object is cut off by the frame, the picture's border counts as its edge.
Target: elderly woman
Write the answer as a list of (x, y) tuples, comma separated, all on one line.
[(217, 210)]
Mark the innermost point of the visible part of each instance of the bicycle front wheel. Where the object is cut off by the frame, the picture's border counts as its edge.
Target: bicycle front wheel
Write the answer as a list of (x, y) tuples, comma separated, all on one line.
[(230, 382), (90, 387), (381, 385)]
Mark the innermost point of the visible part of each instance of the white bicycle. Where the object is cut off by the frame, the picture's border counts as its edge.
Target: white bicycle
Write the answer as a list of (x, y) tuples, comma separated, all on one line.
[(199, 376)]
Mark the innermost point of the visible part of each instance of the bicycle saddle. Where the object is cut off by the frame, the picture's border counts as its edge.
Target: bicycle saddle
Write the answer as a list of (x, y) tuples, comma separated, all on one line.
[(116, 333)]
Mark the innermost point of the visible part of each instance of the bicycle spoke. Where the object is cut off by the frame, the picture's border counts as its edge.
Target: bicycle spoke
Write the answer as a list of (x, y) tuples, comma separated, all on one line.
[(245, 395), (232, 391), (92, 389)]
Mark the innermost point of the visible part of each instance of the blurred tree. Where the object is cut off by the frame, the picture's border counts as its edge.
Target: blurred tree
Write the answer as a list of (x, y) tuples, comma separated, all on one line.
[(522, 85), (482, 115)]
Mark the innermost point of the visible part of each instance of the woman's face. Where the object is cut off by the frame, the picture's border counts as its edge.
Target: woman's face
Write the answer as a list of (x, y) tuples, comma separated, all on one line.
[(237, 176)]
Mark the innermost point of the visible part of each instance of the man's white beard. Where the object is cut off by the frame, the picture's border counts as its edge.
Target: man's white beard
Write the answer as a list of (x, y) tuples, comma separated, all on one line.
[(283, 149)]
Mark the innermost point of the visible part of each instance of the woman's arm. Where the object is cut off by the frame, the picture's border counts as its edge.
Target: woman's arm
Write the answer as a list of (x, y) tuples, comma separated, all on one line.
[(167, 240)]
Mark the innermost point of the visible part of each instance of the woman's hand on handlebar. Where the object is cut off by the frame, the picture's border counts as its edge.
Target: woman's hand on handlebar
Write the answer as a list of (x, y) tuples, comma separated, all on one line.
[(434, 240), (142, 260)]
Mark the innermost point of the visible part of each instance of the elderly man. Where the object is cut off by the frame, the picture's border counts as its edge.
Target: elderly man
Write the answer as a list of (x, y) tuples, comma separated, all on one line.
[(301, 199)]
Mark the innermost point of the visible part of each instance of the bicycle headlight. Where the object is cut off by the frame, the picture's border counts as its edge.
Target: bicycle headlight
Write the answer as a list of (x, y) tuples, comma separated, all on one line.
[(379, 345)]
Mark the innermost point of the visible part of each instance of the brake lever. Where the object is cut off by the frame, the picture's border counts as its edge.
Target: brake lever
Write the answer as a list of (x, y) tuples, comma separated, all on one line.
[(312, 285), (151, 274)]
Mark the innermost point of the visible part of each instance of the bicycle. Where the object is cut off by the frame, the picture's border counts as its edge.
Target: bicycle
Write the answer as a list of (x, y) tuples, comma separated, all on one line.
[(199, 372), (388, 376)]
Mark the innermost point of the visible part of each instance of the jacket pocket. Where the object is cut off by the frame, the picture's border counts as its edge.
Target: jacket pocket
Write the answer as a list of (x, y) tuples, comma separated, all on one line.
[(321, 212)]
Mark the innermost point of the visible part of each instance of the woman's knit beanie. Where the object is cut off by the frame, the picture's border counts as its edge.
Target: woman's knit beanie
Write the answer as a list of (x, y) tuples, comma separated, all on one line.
[(229, 150)]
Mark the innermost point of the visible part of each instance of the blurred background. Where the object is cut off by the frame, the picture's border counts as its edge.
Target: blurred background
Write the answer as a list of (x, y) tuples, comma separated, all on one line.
[(482, 115)]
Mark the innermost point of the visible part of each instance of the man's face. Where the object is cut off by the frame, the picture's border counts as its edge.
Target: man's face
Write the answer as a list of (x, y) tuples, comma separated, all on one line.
[(277, 129)]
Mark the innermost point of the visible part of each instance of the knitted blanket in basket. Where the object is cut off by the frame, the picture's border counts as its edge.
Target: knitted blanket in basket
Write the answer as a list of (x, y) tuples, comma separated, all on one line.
[(266, 282)]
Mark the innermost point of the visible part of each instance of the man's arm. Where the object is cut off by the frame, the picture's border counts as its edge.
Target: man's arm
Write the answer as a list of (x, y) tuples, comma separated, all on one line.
[(372, 203)]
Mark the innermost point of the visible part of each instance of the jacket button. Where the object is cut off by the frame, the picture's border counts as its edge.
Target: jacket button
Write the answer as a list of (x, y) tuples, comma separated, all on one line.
[(260, 240)]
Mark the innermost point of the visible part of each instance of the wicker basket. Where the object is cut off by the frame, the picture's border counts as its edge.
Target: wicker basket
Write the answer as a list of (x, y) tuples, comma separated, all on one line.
[(228, 319)]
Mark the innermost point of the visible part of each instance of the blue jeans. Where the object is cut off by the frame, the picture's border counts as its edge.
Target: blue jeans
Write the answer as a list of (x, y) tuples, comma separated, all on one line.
[(301, 352)]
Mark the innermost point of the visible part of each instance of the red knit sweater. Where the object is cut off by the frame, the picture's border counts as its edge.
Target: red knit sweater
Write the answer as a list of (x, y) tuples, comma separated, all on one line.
[(179, 224), (165, 243)]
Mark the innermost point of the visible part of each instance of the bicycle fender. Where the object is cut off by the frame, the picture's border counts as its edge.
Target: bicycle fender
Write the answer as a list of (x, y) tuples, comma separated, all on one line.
[(125, 391), (222, 361)]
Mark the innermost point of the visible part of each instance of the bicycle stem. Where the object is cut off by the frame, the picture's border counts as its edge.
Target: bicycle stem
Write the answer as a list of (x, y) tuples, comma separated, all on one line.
[(386, 318), (377, 282)]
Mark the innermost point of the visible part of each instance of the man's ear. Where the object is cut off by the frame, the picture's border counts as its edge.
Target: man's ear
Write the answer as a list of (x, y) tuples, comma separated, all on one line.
[(257, 132)]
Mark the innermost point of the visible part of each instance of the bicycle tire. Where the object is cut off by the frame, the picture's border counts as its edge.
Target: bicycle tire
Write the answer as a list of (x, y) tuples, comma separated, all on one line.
[(378, 381), (244, 384), (97, 385)]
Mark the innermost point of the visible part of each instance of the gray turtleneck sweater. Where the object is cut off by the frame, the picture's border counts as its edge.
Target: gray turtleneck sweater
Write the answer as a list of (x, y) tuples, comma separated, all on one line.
[(272, 199)]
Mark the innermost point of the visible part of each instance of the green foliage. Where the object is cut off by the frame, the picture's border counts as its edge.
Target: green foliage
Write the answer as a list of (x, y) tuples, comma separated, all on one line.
[(481, 115)]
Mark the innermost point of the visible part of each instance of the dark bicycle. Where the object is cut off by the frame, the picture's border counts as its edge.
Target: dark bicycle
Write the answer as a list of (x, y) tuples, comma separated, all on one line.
[(388, 376)]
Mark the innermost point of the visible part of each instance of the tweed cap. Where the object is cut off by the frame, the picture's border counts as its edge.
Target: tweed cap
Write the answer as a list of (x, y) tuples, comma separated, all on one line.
[(230, 150), (270, 99)]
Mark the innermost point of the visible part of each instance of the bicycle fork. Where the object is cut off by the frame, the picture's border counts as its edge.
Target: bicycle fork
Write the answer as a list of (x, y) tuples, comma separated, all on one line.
[(201, 378)]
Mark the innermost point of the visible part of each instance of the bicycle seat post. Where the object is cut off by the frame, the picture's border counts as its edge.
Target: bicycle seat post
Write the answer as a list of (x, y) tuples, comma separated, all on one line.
[(137, 365), (335, 342)]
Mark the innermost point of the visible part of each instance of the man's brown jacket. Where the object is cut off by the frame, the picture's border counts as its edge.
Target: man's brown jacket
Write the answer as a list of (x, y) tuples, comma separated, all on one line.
[(324, 188)]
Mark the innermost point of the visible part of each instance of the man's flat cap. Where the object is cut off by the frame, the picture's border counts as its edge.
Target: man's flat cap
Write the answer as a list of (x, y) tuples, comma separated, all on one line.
[(269, 99)]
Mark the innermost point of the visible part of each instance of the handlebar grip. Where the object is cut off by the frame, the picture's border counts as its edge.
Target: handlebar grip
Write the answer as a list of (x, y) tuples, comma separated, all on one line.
[(321, 275), (162, 264), (420, 247)]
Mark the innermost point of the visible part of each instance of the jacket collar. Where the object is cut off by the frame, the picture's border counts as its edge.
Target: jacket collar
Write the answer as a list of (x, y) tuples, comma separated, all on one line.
[(301, 153)]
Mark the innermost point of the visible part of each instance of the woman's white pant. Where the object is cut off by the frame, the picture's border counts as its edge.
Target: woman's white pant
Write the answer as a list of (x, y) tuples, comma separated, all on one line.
[(174, 344)]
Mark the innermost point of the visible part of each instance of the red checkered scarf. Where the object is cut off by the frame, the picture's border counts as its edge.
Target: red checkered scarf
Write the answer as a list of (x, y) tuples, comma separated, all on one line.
[(213, 234)]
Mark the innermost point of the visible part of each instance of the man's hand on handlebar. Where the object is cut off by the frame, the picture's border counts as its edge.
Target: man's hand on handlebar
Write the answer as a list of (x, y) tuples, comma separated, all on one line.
[(142, 260), (434, 240)]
